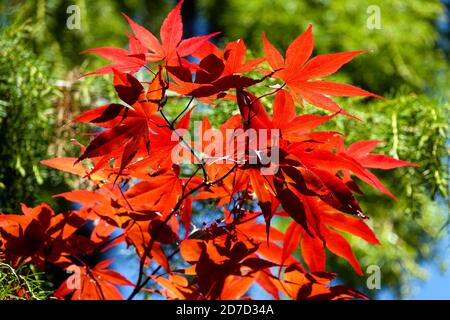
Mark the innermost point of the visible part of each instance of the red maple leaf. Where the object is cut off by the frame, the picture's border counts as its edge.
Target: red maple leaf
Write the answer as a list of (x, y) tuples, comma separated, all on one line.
[(98, 283), (299, 73)]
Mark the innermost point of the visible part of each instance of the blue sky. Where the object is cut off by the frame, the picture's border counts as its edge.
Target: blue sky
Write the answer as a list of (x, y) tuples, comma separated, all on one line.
[(437, 285)]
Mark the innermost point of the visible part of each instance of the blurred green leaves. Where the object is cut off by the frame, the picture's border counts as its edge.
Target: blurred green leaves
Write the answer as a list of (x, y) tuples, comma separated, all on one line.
[(414, 128), (26, 96), (23, 283)]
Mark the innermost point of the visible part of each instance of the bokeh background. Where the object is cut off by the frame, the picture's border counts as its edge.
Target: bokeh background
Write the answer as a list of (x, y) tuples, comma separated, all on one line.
[(407, 63)]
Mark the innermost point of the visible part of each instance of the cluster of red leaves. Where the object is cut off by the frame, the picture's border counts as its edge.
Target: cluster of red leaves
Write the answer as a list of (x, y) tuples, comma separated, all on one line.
[(137, 188)]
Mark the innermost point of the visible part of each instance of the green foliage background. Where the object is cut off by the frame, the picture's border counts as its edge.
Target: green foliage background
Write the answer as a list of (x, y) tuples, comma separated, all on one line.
[(24, 279), (39, 91), (25, 102)]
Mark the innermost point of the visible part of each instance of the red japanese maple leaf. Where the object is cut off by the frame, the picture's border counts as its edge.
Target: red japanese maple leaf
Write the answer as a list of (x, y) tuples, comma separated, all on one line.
[(299, 72), (123, 60), (299, 285), (98, 283), (146, 47), (313, 247), (215, 260), (171, 47), (128, 130), (39, 235)]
